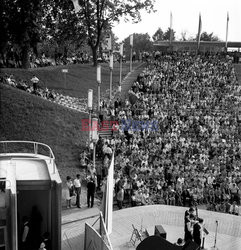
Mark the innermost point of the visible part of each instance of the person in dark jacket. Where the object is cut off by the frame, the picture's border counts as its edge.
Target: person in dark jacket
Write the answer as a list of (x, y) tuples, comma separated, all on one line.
[(91, 192), (197, 231)]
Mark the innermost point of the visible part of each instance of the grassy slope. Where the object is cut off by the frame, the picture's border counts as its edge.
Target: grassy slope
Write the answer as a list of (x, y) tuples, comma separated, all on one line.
[(28, 117), (79, 79)]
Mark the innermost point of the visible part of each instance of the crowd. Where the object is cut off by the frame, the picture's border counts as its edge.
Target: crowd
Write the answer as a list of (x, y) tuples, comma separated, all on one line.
[(37, 88), (178, 140), (12, 59)]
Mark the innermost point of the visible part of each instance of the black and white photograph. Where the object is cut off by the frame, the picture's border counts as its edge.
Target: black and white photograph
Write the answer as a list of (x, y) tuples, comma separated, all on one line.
[(120, 125)]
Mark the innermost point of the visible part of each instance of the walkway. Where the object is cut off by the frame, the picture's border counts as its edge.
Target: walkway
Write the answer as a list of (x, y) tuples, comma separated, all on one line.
[(129, 79)]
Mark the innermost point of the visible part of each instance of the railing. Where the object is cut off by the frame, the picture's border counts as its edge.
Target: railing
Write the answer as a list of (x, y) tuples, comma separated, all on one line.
[(29, 147)]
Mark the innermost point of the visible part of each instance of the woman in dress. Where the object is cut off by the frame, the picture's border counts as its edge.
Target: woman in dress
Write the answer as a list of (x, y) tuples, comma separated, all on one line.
[(69, 191)]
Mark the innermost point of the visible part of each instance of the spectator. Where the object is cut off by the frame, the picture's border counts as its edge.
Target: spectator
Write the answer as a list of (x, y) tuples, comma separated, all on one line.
[(91, 186), (77, 187)]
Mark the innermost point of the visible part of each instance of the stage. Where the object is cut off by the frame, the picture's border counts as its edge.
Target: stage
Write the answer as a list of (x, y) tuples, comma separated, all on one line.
[(172, 220)]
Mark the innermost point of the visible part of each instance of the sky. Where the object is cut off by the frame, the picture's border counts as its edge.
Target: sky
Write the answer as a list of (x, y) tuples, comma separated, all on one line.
[(185, 15)]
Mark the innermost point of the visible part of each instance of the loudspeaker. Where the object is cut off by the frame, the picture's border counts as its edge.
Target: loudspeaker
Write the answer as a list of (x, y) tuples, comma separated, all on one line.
[(159, 231)]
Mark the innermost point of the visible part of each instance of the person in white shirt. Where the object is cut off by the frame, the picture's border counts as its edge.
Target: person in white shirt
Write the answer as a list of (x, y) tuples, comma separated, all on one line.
[(210, 180), (77, 187), (234, 209)]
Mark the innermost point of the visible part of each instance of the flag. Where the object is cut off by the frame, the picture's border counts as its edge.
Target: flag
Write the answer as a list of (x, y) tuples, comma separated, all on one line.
[(226, 43), (76, 5), (199, 31), (108, 197), (171, 33)]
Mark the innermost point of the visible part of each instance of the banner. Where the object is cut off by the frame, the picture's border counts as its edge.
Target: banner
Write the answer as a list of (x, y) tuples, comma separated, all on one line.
[(108, 197)]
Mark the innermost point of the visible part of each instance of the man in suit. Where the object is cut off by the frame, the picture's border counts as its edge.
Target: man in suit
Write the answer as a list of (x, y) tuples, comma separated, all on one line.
[(91, 192), (198, 231)]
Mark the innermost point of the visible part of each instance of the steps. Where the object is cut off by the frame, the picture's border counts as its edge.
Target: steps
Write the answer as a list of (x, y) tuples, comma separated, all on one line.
[(105, 130), (128, 81)]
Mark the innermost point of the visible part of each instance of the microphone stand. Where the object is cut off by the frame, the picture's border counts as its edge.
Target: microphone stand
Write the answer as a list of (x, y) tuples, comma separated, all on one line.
[(215, 240)]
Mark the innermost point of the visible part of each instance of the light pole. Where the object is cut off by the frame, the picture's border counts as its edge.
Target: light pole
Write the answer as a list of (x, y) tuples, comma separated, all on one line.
[(90, 106), (111, 73), (94, 137), (98, 82), (121, 55), (131, 46)]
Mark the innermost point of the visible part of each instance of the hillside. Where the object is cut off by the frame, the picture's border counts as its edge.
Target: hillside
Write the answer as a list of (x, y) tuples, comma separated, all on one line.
[(28, 117), (79, 79)]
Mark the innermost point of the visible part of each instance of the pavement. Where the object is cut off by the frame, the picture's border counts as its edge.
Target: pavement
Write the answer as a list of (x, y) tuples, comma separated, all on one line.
[(73, 222)]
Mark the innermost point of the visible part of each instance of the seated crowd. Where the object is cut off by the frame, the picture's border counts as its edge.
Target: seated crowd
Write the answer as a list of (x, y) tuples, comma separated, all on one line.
[(178, 140), (79, 104)]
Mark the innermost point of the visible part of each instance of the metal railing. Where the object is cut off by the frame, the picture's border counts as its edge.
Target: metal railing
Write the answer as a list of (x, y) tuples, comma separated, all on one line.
[(28, 147)]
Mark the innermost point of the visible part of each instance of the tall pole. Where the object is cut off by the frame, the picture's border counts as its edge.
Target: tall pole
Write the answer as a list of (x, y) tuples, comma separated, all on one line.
[(226, 43), (94, 137), (121, 55), (199, 32), (90, 106), (131, 45), (98, 82), (111, 73), (94, 147), (170, 38)]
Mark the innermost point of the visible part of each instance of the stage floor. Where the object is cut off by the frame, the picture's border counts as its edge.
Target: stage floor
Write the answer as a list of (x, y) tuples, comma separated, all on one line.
[(172, 220)]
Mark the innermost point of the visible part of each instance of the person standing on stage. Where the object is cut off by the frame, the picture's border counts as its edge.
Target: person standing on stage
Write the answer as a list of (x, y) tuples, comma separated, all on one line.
[(187, 213), (189, 227), (198, 231)]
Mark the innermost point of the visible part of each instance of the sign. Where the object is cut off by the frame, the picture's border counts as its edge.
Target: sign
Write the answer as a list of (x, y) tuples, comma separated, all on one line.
[(65, 70)]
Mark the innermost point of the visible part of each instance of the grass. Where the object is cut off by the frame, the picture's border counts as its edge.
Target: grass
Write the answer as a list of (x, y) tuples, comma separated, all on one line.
[(79, 79), (28, 117)]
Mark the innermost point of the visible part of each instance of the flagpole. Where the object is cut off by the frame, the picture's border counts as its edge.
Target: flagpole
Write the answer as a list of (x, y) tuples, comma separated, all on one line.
[(199, 33), (226, 43), (170, 39)]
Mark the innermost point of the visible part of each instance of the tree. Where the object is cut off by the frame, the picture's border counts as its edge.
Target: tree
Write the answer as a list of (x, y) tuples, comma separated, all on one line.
[(100, 15), (166, 35), (141, 42), (64, 28), (25, 24), (208, 37), (158, 35)]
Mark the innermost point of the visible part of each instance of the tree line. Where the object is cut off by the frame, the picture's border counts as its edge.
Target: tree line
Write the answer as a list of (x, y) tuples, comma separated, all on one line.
[(56, 27)]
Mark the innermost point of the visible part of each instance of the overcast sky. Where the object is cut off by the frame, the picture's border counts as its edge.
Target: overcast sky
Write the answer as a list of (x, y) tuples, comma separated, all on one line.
[(185, 18)]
